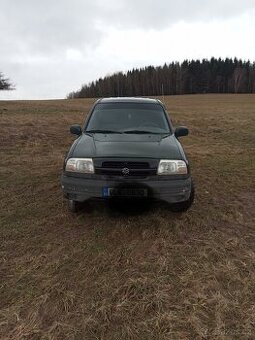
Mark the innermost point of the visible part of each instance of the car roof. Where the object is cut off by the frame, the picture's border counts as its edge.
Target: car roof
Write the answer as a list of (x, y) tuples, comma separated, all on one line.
[(138, 100)]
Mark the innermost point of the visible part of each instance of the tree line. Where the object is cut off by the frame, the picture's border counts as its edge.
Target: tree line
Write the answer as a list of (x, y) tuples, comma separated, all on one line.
[(189, 77)]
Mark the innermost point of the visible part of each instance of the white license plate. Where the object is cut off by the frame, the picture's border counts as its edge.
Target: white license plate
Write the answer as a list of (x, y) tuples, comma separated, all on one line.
[(124, 192)]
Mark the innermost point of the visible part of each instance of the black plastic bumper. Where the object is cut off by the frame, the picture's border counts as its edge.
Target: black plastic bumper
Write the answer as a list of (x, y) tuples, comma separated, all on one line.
[(82, 189)]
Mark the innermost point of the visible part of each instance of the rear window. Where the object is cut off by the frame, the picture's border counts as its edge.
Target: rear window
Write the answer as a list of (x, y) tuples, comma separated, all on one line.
[(129, 116)]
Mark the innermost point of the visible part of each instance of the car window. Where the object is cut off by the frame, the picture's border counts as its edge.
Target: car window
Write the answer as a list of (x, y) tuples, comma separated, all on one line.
[(128, 116)]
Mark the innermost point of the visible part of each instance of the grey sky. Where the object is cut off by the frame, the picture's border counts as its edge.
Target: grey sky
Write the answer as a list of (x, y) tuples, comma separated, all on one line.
[(49, 48)]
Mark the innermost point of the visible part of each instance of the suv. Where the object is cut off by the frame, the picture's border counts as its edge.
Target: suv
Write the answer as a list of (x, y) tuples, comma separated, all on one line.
[(128, 148)]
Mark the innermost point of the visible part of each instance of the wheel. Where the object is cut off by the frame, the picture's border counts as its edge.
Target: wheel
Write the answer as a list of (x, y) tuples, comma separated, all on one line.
[(73, 206), (184, 206)]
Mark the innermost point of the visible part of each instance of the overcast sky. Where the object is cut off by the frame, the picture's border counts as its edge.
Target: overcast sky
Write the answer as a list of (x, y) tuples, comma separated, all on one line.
[(49, 48)]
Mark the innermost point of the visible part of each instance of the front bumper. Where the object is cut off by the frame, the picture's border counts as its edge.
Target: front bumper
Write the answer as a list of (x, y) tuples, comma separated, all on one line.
[(84, 188)]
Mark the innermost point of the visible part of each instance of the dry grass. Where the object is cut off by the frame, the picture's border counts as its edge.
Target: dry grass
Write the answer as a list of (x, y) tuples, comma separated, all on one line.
[(107, 275)]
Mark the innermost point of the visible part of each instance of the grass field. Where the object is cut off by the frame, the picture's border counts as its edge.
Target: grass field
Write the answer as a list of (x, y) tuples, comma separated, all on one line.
[(106, 274)]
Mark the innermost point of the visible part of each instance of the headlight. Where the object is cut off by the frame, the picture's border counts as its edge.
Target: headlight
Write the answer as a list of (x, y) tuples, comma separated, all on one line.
[(172, 167), (83, 165)]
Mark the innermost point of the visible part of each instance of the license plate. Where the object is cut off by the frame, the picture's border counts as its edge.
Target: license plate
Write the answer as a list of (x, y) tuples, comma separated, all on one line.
[(124, 192)]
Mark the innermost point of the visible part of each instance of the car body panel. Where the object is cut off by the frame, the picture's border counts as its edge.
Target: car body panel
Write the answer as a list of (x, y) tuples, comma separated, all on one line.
[(126, 145), (82, 189)]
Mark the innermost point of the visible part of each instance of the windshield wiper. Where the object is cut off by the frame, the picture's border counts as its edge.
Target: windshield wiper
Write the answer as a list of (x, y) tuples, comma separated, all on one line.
[(102, 131), (140, 132), (166, 135)]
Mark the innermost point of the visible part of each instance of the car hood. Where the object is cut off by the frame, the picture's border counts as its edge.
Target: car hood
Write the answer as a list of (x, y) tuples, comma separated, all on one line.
[(127, 145)]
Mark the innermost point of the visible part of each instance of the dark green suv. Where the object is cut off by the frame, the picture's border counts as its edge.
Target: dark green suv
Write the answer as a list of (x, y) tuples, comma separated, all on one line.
[(128, 149)]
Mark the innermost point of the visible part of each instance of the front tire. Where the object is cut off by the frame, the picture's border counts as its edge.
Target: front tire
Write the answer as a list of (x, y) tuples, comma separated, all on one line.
[(184, 206), (73, 206)]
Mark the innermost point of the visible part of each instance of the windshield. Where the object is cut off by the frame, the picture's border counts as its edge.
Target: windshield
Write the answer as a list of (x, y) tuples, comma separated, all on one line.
[(128, 118)]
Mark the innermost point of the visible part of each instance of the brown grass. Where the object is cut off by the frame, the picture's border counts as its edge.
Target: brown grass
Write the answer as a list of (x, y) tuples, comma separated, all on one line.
[(103, 274)]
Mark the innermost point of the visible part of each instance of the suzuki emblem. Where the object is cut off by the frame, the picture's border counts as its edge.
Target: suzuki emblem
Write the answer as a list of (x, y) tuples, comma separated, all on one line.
[(125, 171)]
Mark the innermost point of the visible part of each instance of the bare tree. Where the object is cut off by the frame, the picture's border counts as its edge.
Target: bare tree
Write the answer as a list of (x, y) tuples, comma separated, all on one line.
[(5, 83), (239, 78)]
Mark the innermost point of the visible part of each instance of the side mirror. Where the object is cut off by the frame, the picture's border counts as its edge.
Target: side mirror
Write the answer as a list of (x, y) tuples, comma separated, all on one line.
[(181, 131), (76, 129)]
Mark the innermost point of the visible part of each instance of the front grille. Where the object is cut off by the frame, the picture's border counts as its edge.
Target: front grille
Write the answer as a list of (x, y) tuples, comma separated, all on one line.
[(129, 165), (136, 169)]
